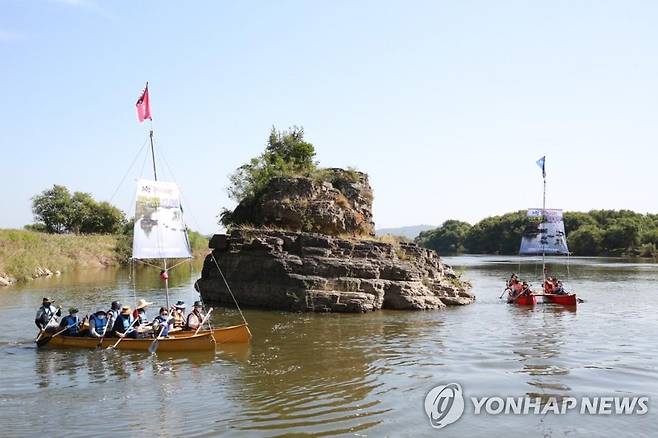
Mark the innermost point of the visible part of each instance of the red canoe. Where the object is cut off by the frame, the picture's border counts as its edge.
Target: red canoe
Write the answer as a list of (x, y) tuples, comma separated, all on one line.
[(565, 300), (524, 300)]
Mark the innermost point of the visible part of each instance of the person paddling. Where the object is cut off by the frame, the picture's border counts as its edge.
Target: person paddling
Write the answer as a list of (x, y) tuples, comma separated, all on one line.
[(123, 324), (71, 322), (46, 318), (161, 324), (97, 323), (178, 316), (195, 318)]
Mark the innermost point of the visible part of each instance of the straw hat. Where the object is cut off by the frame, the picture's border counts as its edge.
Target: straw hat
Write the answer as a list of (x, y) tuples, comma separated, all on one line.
[(142, 303), (126, 310)]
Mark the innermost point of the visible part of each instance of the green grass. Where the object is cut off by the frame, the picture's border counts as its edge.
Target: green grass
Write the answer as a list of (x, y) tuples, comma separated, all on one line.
[(21, 251)]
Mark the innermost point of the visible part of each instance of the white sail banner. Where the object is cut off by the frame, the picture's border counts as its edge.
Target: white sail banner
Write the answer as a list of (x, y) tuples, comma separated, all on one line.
[(545, 234), (159, 228)]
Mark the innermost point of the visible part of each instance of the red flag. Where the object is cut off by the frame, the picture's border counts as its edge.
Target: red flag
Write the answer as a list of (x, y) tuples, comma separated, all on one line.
[(143, 105)]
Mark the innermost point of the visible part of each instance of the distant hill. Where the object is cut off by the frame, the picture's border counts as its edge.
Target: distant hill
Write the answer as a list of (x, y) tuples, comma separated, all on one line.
[(409, 232)]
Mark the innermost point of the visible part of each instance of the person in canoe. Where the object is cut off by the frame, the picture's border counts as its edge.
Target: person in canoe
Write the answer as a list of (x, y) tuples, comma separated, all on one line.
[(46, 318), (162, 323), (178, 316), (515, 286), (71, 323), (558, 287), (98, 323), (549, 286), (123, 326), (195, 318), (143, 325)]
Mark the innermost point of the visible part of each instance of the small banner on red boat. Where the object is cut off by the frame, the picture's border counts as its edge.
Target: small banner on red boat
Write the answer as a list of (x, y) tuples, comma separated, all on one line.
[(159, 231), (544, 233)]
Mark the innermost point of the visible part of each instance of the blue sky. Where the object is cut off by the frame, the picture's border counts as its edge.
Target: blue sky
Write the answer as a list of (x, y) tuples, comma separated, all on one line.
[(447, 105)]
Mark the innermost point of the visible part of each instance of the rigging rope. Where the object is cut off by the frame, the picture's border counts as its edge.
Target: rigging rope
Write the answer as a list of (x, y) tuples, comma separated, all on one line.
[(127, 171), (228, 287)]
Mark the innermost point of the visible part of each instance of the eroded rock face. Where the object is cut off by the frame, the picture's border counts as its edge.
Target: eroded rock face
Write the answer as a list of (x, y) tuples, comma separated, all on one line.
[(310, 272), (340, 202)]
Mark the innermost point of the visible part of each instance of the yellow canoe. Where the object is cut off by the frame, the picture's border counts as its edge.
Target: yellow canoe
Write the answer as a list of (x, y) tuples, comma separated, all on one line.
[(200, 342), (236, 334)]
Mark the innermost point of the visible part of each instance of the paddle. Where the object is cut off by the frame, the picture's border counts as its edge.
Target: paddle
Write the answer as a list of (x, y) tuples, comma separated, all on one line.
[(44, 341), (154, 345), (100, 341), (112, 347), (205, 318)]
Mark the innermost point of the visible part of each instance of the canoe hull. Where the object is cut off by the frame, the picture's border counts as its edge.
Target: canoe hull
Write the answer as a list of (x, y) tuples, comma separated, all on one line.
[(237, 334), (200, 342), (565, 300), (524, 300)]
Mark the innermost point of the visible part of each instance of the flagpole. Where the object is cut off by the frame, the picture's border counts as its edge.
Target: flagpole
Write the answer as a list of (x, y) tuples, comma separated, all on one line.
[(155, 173)]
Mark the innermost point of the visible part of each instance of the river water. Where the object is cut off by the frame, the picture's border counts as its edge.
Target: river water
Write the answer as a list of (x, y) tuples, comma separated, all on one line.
[(361, 375)]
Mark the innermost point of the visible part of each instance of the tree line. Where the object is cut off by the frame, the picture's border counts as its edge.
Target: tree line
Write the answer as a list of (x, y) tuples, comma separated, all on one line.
[(593, 233), (57, 210)]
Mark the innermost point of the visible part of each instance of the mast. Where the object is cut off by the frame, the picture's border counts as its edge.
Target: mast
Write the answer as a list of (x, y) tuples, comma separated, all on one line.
[(155, 173), (543, 252), (166, 282)]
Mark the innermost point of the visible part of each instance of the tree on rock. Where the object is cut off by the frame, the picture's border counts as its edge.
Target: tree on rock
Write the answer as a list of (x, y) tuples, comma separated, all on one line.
[(286, 153)]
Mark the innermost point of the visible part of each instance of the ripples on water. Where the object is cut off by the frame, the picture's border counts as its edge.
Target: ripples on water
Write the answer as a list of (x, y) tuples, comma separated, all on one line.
[(364, 375)]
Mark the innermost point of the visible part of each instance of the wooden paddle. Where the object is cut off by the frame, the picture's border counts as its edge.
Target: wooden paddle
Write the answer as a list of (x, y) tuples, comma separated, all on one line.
[(154, 345), (100, 341), (44, 341), (112, 347), (205, 318)]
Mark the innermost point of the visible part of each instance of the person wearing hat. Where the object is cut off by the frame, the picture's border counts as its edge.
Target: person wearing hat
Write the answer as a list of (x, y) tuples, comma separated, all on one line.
[(71, 322), (178, 316), (46, 318), (123, 324), (195, 318), (139, 313), (98, 324)]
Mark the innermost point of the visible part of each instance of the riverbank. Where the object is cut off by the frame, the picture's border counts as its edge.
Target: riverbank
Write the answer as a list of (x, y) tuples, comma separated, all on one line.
[(26, 255)]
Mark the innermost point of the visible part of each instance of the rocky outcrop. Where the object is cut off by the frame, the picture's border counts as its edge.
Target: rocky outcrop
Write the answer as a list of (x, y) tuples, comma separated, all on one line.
[(301, 271), (332, 201), (6, 279)]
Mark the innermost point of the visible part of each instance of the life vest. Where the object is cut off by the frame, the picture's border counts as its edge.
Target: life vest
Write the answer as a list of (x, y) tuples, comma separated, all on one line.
[(191, 323), (97, 324), (518, 287), (179, 320), (123, 323), (71, 322), (548, 287), (164, 322)]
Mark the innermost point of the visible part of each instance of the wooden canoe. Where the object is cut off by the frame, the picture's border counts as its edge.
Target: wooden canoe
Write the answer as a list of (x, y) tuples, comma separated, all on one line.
[(236, 334), (200, 342)]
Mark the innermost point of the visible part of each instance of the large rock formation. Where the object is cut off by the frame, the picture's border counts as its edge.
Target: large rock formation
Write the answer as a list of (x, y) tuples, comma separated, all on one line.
[(307, 244), (302, 271)]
